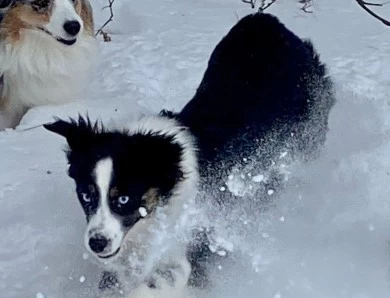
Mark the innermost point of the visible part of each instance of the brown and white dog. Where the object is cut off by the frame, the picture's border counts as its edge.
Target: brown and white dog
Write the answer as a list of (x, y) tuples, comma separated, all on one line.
[(46, 51)]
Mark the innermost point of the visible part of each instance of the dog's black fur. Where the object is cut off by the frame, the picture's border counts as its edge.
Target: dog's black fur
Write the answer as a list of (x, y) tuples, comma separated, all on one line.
[(261, 78), (264, 89)]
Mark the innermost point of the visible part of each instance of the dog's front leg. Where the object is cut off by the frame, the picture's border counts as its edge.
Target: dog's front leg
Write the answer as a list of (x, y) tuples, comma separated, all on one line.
[(169, 280)]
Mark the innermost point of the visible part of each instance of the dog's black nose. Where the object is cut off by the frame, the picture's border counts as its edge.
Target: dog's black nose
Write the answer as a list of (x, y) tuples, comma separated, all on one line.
[(72, 27), (98, 243)]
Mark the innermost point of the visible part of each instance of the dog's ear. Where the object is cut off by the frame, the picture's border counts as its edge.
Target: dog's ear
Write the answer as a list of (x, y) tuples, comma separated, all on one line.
[(78, 133)]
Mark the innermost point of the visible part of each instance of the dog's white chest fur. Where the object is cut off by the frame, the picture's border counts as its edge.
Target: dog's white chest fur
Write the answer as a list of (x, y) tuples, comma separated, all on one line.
[(40, 71)]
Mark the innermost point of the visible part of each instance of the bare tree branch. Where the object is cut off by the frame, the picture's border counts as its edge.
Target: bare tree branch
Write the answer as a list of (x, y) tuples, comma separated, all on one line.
[(306, 4), (264, 6), (364, 5), (106, 37), (376, 4), (251, 2)]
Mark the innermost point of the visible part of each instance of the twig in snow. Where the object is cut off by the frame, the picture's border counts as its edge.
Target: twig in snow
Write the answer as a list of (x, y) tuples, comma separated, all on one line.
[(264, 6), (306, 4), (106, 37), (251, 2), (267, 4)]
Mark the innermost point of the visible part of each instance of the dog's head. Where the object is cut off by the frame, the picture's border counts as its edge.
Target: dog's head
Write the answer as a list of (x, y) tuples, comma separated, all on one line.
[(62, 20), (122, 177)]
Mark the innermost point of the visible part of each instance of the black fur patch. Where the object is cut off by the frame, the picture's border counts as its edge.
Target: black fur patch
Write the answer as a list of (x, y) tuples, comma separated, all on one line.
[(264, 89), (261, 78), (144, 164)]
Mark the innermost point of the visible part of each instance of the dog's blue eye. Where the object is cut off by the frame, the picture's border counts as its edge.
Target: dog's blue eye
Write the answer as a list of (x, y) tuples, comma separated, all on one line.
[(123, 199), (85, 197)]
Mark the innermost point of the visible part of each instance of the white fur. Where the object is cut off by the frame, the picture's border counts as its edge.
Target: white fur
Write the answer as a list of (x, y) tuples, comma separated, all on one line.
[(103, 222), (39, 70), (63, 10)]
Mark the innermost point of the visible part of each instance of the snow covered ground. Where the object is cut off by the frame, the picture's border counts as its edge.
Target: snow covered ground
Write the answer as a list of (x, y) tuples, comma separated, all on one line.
[(327, 236)]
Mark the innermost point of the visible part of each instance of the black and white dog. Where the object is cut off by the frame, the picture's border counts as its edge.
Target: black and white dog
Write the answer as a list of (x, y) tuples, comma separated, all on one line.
[(263, 86)]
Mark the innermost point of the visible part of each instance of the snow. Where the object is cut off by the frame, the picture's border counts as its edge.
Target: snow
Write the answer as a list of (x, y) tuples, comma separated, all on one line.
[(333, 239), (143, 212), (258, 178)]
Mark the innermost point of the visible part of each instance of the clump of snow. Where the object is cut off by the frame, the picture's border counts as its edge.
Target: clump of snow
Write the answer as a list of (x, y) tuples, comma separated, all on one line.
[(258, 178), (142, 211), (283, 154)]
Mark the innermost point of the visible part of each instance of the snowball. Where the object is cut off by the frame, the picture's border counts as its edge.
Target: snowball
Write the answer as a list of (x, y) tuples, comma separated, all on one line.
[(82, 279), (270, 192), (282, 219), (39, 295), (212, 248), (85, 256), (222, 188), (221, 253), (278, 295), (258, 178), (283, 154), (142, 211)]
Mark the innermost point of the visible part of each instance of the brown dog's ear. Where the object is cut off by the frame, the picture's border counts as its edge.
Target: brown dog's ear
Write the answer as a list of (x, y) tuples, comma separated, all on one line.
[(78, 133)]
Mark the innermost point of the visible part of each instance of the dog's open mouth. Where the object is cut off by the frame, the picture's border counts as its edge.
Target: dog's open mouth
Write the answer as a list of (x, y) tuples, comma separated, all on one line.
[(59, 39), (110, 255)]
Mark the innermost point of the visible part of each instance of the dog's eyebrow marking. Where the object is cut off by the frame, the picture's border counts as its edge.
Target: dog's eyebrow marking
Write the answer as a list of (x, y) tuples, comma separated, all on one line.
[(103, 175), (113, 193)]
